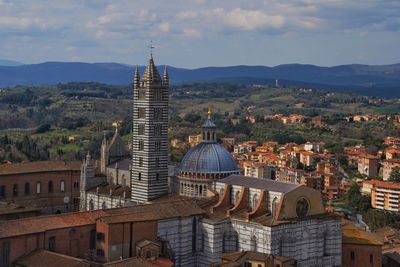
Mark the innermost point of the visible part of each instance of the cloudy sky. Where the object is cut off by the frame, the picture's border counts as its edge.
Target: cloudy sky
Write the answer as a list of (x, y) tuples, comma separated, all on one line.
[(196, 33)]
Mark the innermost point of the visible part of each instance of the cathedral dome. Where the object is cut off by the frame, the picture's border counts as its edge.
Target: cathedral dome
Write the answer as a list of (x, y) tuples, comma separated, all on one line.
[(208, 158)]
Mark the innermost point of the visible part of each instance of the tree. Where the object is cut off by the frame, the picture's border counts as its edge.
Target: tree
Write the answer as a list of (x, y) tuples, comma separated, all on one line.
[(395, 175), (192, 117), (358, 202)]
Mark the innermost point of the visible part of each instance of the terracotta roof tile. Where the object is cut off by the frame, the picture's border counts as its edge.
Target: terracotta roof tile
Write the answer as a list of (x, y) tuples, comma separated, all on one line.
[(383, 184), (154, 211), (38, 257), (355, 235), (44, 223), (39, 166)]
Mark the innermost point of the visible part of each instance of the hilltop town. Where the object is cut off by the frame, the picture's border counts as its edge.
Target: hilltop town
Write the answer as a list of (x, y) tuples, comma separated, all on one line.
[(196, 178)]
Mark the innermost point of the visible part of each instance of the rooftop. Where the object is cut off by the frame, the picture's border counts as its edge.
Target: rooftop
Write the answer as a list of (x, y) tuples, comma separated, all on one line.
[(39, 166), (123, 164), (37, 257), (116, 190), (45, 223), (355, 235), (383, 184), (11, 208), (155, 211), (263, 184)]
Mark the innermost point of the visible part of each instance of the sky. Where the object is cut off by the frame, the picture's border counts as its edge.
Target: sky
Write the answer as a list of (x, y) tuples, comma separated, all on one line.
[(199, 33)]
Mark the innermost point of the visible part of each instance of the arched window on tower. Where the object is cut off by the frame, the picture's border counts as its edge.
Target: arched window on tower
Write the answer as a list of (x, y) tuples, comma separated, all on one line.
[(254, 202), (91, 205), (274, 206), (253, 243)]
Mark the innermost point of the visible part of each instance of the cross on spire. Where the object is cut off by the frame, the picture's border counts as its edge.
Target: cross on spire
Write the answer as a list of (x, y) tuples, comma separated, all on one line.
[(151, 48)]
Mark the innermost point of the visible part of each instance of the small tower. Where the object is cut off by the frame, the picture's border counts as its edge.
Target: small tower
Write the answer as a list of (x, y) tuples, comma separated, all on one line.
[(209, 129), (87, 179), (165, 77), (104, 160), (136, 78)]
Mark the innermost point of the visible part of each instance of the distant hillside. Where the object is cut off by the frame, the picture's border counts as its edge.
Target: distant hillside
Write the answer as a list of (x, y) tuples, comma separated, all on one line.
[(5, 62), (372, 80)]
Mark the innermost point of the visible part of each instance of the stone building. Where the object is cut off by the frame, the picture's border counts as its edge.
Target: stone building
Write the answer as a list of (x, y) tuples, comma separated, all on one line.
[(101, 192), (203, 165), (271, 217), (52, 186), (114, 156), (150, 135), (360, 249)]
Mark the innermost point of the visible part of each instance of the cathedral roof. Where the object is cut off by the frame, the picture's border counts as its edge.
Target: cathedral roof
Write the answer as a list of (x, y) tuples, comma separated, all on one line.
[(263, 184), (151, 72), (208, 158)]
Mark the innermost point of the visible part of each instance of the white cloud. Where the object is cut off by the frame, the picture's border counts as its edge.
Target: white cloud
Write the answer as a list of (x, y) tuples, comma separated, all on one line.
[(249, 20), (187, 15), (164, 27), (192, 33)]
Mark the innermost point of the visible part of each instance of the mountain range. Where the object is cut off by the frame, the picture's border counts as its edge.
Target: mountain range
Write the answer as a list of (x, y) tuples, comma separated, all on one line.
[(382, 80)]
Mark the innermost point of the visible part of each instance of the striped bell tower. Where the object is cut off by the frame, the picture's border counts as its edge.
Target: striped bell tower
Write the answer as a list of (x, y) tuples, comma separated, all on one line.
[(150, 135)]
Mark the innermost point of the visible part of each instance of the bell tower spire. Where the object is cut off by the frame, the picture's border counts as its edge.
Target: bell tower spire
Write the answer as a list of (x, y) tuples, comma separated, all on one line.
[(149, 177)]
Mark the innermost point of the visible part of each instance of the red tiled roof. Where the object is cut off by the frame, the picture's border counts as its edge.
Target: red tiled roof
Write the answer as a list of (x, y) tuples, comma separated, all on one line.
[(39, 166), (383, 184), (368, 156), (154, 211), (37, 258), (45, 223)]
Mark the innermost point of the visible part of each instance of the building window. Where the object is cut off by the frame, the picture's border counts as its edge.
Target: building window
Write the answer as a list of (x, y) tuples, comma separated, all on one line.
[(104, 205), (142, 94), (6, 254), (2, 191), (52, 243), (139, 176), (100, 236), (141, 129), (352, 255), (100, 253), (38, 188), (158, 114), (157, 176), (274, 206), (62, 186), (15, 190), (50, 187), (92, 240), (371, 258), (157, 146), (27, 190), (141, 145), (158, 95), (194, 234), (91, 205), (157, 162), (141, 113), (76, 185), (253, 243), (157, 129), (140, 161)]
